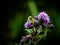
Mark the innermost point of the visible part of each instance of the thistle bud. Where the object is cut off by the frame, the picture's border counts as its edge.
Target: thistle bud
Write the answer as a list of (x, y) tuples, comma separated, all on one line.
[(28, 37), (22, 41), (51, 26)]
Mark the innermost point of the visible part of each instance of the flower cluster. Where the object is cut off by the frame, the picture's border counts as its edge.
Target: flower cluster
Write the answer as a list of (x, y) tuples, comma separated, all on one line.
[(41, 18), (37, 28)]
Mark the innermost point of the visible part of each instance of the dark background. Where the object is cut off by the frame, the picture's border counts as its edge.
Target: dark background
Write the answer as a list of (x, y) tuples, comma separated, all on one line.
[(8, 10)]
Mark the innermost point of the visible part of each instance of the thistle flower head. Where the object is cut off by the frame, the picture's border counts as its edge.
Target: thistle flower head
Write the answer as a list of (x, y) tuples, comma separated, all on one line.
[(44, 16), (28, 25)]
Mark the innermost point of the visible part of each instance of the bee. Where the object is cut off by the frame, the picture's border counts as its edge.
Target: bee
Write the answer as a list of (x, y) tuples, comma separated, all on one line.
[(31, 19)]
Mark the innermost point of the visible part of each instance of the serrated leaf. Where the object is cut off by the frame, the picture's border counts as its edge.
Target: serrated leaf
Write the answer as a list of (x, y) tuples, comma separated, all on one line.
[(39, 37), (28, 30)]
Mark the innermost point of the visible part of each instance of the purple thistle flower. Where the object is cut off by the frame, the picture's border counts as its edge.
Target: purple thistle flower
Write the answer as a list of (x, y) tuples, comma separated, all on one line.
[(28, 37), (43, 16), (28, 25)]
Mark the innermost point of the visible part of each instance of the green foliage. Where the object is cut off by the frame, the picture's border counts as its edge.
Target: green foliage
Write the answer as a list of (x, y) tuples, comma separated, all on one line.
[(16, 25), (28, 31)]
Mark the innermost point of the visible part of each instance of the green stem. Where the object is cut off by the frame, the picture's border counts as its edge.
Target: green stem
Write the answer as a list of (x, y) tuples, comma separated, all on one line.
[(45, 33), (32, 8)]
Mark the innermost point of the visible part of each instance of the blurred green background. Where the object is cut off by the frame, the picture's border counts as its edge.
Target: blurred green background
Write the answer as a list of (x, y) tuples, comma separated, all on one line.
[(14, 14)]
